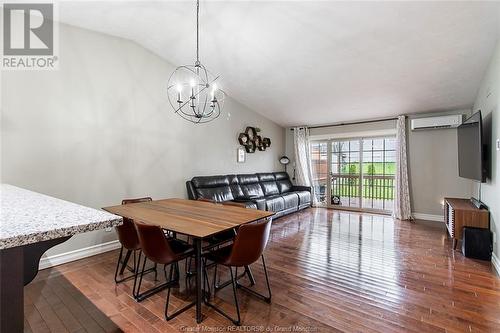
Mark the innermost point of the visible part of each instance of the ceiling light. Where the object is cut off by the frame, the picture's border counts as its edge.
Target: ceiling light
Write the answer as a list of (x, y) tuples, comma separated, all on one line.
[(192, 91)]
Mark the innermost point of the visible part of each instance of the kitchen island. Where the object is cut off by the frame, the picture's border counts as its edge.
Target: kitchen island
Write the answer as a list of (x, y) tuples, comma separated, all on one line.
[(30, 224)]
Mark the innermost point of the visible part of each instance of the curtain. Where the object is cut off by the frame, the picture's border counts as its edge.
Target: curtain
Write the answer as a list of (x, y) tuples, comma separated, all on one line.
[(303, 170), (302, 161), (402, 205)]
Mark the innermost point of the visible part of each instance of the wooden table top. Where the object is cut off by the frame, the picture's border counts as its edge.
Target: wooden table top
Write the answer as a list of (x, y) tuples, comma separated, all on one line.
[(189, 217)]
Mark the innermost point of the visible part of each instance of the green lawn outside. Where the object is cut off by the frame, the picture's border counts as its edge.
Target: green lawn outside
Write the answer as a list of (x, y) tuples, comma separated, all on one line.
[(375, 168)]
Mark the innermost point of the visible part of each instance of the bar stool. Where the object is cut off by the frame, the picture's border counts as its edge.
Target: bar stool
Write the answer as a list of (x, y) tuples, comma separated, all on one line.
[(163, 251), (248, 246), (127, 236)]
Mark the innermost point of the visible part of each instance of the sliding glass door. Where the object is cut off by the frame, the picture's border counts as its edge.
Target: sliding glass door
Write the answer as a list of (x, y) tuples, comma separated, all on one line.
[(355, 173)]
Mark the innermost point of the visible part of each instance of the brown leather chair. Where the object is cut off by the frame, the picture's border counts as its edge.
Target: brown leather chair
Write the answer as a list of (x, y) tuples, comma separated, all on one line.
[(220, 239), (129, 242), (163, 251), (248, 246)]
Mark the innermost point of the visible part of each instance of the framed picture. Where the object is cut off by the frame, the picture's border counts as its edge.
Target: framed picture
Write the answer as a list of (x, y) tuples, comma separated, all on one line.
[(241, 155)]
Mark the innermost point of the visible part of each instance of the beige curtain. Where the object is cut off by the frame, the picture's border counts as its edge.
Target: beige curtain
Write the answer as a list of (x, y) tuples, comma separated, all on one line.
[(402, 205), (303, 170)]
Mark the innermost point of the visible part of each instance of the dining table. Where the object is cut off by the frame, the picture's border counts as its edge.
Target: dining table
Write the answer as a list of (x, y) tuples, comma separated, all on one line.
[(197, 219)]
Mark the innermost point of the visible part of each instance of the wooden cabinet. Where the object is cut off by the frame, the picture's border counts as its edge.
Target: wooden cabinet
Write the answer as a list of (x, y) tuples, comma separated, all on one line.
[(460, 213)]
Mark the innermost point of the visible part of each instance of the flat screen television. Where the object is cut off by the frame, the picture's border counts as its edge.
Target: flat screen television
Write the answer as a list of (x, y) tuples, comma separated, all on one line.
[(470, 149)]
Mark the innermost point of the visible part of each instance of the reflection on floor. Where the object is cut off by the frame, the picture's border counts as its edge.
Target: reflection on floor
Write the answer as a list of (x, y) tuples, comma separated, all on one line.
[(330, 271)]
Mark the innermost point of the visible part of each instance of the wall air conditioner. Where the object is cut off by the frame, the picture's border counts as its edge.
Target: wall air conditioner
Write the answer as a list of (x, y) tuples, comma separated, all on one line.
[(426, 123)]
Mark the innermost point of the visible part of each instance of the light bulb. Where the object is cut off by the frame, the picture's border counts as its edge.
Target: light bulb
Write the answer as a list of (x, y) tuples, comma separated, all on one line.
[(192, 83), (179, 88), (214, 89)]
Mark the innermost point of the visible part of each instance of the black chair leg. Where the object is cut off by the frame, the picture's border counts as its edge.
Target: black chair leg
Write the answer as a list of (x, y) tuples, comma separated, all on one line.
[(250, 275), (206, 283), (178, 312), (134, 291), (235, 321), (118, 265), (253, 292), (124, 263), (215, 279), (242, 275), (238, 322)]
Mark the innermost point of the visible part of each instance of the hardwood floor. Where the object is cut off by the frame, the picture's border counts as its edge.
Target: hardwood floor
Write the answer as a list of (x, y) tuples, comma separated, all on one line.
[(330, 271)]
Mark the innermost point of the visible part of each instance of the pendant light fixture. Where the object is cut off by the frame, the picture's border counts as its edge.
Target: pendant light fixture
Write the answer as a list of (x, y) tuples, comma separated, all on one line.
[(192, 90)]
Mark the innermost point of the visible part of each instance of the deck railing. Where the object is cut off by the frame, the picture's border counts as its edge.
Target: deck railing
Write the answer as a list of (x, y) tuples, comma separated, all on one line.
[(379, 187)]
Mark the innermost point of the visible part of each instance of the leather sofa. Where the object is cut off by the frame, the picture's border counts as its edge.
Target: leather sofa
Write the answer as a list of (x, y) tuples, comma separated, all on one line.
[(265, 191)]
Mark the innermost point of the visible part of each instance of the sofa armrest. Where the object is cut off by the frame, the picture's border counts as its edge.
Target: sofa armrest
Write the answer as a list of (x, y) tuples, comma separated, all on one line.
[(190, 190), (301, 188)]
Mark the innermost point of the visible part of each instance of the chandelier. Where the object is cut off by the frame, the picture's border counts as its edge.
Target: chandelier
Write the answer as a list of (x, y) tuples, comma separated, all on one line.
[(192, 90)]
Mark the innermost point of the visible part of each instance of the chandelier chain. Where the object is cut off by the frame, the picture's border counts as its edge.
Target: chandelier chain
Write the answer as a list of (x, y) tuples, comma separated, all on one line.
[(197, 32), (192, 90)]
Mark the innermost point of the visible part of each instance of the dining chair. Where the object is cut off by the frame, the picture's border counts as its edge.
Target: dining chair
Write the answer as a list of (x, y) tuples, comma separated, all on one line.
[(163, 251), (127, 236), (220, 239), (248, 246), (212, 242)]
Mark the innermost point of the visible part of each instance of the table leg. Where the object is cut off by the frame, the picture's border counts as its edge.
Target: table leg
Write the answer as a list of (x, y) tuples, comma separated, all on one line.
[(199, 272), (18, 267), (11, 290)]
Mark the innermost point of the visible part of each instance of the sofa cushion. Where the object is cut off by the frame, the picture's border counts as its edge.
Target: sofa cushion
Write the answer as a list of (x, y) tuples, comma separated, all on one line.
[(270, 188), (247, 179), (222, 193), (252, 191), (304, 197), (275, 203), (266, 177), (281, 175), (233, 179), (284, 185), (210, 181), (237, 191), (291, 200), (261, 203)]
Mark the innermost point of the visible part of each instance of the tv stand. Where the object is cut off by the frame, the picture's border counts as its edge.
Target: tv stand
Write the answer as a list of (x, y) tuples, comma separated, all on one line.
[(460, 213)]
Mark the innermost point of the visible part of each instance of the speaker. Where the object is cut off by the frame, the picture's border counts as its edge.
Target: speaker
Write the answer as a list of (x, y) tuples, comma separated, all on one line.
[(476, 243)]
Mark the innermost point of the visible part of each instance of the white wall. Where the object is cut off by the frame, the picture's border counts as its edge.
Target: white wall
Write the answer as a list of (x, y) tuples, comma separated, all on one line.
[(488, 101), (433, 168), (100, 129)]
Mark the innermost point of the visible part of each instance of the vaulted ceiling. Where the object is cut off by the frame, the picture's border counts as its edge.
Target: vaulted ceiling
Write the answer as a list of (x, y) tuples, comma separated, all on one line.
[(308, 62)]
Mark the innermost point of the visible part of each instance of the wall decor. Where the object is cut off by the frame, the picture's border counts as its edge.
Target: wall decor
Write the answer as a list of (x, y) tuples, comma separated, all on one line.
[(252, 141), (241, 155)]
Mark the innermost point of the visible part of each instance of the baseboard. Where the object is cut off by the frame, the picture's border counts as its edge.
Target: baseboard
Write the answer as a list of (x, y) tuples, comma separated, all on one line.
[(59, 259), (428, 217), (496, 263)]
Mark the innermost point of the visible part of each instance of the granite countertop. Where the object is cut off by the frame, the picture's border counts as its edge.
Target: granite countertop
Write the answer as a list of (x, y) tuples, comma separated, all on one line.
[(28, 217)]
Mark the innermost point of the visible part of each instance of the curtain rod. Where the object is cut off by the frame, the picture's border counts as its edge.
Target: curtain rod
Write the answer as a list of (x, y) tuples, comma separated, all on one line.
[(353, 123)]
